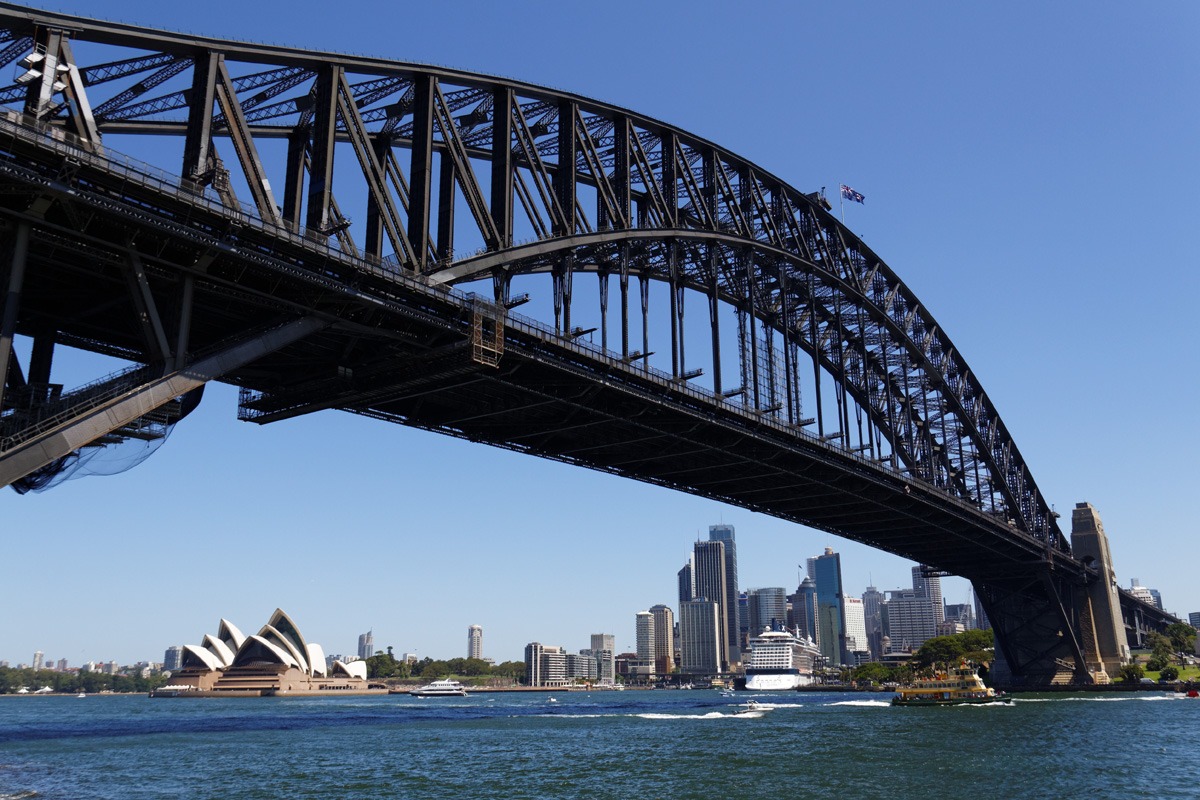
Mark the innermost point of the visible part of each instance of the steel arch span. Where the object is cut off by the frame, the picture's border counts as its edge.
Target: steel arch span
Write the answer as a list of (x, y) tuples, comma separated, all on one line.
[(829, 394)]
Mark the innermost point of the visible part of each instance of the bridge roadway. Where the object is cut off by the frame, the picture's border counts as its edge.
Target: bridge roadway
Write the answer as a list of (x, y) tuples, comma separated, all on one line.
[(175, 276)]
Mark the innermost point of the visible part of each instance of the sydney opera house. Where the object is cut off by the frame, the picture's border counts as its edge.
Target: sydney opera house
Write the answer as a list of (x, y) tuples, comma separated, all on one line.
[(274, 661)]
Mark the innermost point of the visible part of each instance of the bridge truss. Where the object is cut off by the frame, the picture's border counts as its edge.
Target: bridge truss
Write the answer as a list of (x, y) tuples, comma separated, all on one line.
[(845, 405)]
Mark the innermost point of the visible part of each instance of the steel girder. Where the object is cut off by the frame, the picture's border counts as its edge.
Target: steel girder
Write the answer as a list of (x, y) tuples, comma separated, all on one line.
[(599, 189)]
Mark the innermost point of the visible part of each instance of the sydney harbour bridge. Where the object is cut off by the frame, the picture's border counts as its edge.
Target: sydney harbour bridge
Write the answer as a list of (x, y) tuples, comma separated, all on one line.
[(825, 393)]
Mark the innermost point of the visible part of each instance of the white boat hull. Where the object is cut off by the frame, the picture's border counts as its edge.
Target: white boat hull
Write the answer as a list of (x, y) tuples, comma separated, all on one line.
[(778, 682)]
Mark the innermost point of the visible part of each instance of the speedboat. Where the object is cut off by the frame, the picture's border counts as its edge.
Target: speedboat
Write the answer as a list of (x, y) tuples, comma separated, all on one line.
[(442, 688), (752, 707)]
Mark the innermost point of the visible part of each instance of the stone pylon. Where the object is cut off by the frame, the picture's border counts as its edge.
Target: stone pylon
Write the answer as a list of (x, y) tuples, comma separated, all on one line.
[(1107, 649)]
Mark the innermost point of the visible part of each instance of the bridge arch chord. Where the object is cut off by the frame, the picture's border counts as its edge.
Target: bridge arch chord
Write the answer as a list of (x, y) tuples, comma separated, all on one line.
[(593, 188)]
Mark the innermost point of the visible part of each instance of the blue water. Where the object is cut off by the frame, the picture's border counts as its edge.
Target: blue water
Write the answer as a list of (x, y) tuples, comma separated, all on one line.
[(597, 745)]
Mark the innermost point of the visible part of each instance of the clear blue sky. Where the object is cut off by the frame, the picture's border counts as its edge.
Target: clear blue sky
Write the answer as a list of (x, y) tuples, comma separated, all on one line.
[(1030, 171)]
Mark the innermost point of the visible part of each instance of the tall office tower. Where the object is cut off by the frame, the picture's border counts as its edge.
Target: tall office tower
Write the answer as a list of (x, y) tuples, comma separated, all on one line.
[(872, 598), (664, 639), (173, 658), (981, 618), (857, 648), (645, 642), (908, 620), (724, 535), (1194, 619), (604, 641), (366, 644), (708, 566), (831, 622), (687, 583), (931, 587), (38, 658), (545, 665), (475, 642), (62, 665), (804, 609), (766, 609), (700, 637)]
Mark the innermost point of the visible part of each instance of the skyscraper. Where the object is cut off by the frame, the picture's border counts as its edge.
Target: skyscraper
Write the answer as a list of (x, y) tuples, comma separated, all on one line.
[(929, 584), (708, 566), (475, 641), (687, 583), (724, 534), (872, 600), (664, 639), (38, 658), (831, 622), (173, 658), (804, 609), (366, 644), (856, 630), (645, 642), (908, 620), (700, 637), (766, 609)]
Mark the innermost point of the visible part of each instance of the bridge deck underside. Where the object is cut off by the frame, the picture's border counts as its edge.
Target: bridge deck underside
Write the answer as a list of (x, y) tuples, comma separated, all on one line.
[(400, 350)]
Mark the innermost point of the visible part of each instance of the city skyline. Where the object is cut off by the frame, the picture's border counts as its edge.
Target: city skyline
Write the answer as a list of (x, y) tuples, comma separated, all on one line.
[(1004, 165)]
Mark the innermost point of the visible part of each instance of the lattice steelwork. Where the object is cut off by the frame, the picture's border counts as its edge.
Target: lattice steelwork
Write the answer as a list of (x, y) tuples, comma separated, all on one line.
[(469, 178)]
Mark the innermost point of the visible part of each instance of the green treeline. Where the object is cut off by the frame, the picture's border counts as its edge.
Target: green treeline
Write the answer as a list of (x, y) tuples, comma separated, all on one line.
[(974, 647), (12, 679), (383, 665)]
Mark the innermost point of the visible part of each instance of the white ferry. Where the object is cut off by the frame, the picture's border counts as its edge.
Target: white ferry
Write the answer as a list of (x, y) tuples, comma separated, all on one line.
[(780, 661), (442, 688)]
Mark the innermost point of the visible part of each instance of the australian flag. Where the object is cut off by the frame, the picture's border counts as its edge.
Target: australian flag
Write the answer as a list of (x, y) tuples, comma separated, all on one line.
[(850, 194)]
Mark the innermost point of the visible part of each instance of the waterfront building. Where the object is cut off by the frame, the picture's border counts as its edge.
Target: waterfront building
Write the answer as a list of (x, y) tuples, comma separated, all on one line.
[(724, 534), (275, 661), (581, 667), (173, 658), (687, 583), (700, 637), (664, 639), (766, 609), (545, 665), (908, 620), (366, 644), (857, 648), (604, 648), (475, 642), (831, 622), (645, 644), (708, 563), (929, 583)]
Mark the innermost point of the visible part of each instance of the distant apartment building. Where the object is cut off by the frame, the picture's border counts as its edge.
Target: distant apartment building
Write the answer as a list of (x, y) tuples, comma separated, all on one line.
[(475, 642), (545, 665), (1194, 619), (604, 649), (645, 644), (173, 658), (664, 639), (62, 665), (366, 644), (804, 610), (38, 659)]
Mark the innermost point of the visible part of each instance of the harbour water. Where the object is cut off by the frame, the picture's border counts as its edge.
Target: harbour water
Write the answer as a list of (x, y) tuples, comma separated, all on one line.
[(680, 744)]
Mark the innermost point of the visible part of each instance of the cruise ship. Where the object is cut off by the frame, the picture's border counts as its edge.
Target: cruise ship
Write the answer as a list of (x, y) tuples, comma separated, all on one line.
[(780, 661)]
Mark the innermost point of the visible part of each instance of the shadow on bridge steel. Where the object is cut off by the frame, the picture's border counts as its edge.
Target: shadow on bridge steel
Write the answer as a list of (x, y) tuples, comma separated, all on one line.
[(845, 407)]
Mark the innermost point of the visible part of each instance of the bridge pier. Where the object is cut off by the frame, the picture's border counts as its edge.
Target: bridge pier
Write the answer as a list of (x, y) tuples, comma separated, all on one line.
[(1110, 649)]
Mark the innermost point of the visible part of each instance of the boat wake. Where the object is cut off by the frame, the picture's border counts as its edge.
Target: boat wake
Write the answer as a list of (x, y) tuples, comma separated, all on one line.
[(1141, 698), (862, 703)]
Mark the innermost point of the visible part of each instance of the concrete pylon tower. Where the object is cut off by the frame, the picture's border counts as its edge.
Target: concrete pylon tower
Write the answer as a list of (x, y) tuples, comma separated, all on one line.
[(1109, 649)]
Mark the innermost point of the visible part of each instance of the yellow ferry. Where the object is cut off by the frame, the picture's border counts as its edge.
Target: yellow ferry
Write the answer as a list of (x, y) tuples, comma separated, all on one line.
[(959, 686)]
